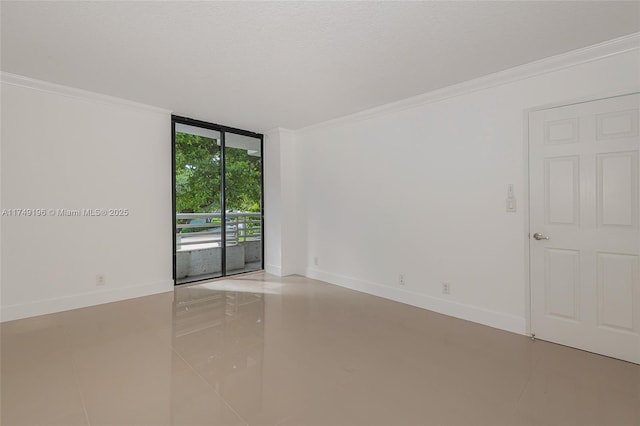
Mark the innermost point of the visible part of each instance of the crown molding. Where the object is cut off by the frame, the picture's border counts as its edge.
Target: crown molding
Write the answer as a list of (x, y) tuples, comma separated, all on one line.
[(45, 86), (532, 69), (543, 66), (279, 130)]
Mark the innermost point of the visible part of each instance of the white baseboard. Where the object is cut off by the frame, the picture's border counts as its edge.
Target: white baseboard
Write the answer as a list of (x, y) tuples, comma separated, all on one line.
[(281, 271), (49, 306), (273, 270), (471, 313)]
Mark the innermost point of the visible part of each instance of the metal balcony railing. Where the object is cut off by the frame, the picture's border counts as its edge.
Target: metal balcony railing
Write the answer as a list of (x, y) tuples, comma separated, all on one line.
[(203, 230)]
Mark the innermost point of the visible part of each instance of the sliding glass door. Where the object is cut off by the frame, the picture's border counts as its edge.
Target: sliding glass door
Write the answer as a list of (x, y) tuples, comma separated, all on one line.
[(243, 202), (218, 212)]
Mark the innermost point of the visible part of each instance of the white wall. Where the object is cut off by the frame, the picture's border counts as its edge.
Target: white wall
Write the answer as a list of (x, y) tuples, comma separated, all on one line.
[(63, 148), (272, 203), (419, 188), (289, 207), (416, 188), (280, 192)]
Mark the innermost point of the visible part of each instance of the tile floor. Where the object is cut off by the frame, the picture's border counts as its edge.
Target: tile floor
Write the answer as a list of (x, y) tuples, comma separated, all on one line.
[(262, 350)]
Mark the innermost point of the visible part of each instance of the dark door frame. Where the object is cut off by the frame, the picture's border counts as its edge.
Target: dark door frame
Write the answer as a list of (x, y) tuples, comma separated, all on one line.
[(223, 232)]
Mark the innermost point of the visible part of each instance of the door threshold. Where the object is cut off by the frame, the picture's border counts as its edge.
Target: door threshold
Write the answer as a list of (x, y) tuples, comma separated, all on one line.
[(215, 279)]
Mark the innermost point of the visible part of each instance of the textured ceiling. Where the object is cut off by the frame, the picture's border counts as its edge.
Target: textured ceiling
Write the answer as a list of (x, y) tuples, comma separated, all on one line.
[(259, 65)]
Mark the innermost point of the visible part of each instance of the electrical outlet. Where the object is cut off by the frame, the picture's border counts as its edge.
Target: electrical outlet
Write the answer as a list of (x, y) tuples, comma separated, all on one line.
[(446, 288), (101, 280), (316, 261), (401, 279)]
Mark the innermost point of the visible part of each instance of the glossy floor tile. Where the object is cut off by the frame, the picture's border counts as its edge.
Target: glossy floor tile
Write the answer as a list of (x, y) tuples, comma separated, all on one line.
[(262, 350)]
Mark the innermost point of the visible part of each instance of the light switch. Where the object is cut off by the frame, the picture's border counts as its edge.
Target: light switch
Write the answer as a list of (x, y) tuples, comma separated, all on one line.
[(511, 199)]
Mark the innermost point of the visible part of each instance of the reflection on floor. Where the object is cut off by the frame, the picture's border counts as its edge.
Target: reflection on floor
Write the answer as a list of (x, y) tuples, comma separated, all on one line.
[(292, 351), (248, 267)]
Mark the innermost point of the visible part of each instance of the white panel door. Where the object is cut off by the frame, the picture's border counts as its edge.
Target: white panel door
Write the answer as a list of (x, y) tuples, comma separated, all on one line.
[(584, 186)]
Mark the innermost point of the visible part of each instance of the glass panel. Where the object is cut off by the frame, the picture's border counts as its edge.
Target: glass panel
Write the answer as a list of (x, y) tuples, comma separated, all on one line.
[(243, 203), (198, 203)]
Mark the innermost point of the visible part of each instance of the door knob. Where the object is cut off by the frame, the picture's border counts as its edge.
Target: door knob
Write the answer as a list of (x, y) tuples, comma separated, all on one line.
[(539, 236)]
